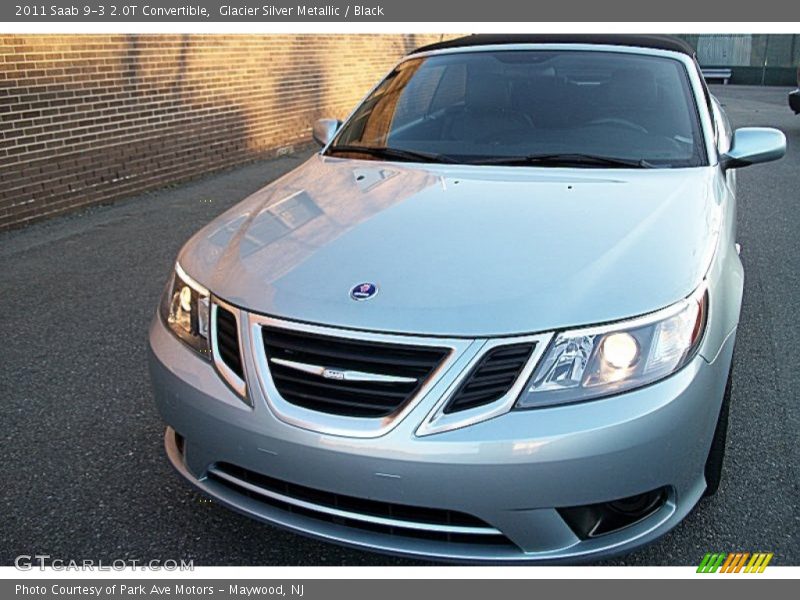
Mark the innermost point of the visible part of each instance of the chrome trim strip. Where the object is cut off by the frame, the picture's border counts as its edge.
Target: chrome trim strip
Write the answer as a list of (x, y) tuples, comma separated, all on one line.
[(327, 373), (438, 421), (200, 289), (642, 320), (340, 425), (232, 379), (352, 515)]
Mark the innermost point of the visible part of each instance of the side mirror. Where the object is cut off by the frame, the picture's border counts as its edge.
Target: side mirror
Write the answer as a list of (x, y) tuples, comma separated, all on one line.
[(324, 130), (751, 145)]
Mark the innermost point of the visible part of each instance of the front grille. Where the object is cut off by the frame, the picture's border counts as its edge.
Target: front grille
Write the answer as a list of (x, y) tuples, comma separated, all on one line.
[(227, 333), (360, 513), (293, 357), (491, 379)]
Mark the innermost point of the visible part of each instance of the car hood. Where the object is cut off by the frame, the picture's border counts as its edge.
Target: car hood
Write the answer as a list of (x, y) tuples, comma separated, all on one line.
[(461, 250)]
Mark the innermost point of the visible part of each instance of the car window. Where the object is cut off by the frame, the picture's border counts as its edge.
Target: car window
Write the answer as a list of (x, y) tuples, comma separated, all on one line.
[(484, 106)]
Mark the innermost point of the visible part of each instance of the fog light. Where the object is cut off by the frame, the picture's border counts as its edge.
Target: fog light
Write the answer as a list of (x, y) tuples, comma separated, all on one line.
[(636, 506), (593, 520)]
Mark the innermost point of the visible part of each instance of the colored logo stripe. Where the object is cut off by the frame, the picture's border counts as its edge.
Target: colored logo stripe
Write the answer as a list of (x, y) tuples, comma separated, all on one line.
[(758, 563), (737, 562), (734, 562), (711, 562), (726, 568)]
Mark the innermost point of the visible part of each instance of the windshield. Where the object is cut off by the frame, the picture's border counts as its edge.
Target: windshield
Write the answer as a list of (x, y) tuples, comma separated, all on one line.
[(530, 107)]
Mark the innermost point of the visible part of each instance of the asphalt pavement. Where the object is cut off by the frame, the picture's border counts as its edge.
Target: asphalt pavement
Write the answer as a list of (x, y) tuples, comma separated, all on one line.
[(83, 470)]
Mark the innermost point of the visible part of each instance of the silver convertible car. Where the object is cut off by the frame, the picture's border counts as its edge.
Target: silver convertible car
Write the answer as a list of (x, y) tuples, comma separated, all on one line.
[(493, 319)]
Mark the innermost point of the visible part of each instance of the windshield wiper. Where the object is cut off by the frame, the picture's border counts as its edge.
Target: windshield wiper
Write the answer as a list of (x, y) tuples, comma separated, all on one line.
[(566, 160), (394, 153)]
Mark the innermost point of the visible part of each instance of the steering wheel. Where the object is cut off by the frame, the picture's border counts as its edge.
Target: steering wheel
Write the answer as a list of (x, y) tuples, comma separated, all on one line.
[(618, 121)]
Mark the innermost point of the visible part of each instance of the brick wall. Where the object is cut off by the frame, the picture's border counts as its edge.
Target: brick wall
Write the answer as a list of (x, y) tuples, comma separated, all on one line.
[(86, 119)]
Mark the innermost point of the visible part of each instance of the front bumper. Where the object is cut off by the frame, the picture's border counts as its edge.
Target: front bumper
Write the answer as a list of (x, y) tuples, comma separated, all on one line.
[(794, 101), (511, 472)]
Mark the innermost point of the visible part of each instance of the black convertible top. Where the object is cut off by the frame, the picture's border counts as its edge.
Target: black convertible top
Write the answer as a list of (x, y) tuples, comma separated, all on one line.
[(660, 42)]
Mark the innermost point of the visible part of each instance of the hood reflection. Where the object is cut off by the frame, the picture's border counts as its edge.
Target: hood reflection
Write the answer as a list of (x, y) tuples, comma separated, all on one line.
[(285, 226)]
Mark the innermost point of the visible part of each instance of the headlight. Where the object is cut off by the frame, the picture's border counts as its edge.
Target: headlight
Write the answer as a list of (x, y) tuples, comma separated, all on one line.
[(184, 309), (609, 359)]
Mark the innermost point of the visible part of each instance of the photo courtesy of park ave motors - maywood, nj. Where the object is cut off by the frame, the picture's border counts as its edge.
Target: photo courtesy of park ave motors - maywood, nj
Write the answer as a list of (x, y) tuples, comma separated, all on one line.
[(492, 319), (158, 589)]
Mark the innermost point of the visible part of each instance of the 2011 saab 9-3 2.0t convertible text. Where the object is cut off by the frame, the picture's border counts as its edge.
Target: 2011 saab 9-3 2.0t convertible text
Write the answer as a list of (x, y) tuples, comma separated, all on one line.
[(493, 319)]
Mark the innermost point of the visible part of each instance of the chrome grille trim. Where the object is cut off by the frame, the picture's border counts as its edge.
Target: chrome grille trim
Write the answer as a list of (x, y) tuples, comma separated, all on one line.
[(438, 421), (436, 392), (231, 378), (460, 351), (420, 526), (344, 375)]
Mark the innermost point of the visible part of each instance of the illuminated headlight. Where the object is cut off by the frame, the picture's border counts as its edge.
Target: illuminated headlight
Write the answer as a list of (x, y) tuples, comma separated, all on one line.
[(609, 359), (185, 310)]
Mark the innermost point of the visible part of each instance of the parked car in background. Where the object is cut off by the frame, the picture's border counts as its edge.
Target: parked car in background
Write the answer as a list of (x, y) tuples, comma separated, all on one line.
[(493, 319), (794, 97)]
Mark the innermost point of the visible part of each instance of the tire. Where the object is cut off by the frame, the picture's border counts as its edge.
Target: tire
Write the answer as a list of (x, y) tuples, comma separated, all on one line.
[(716, 455)]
